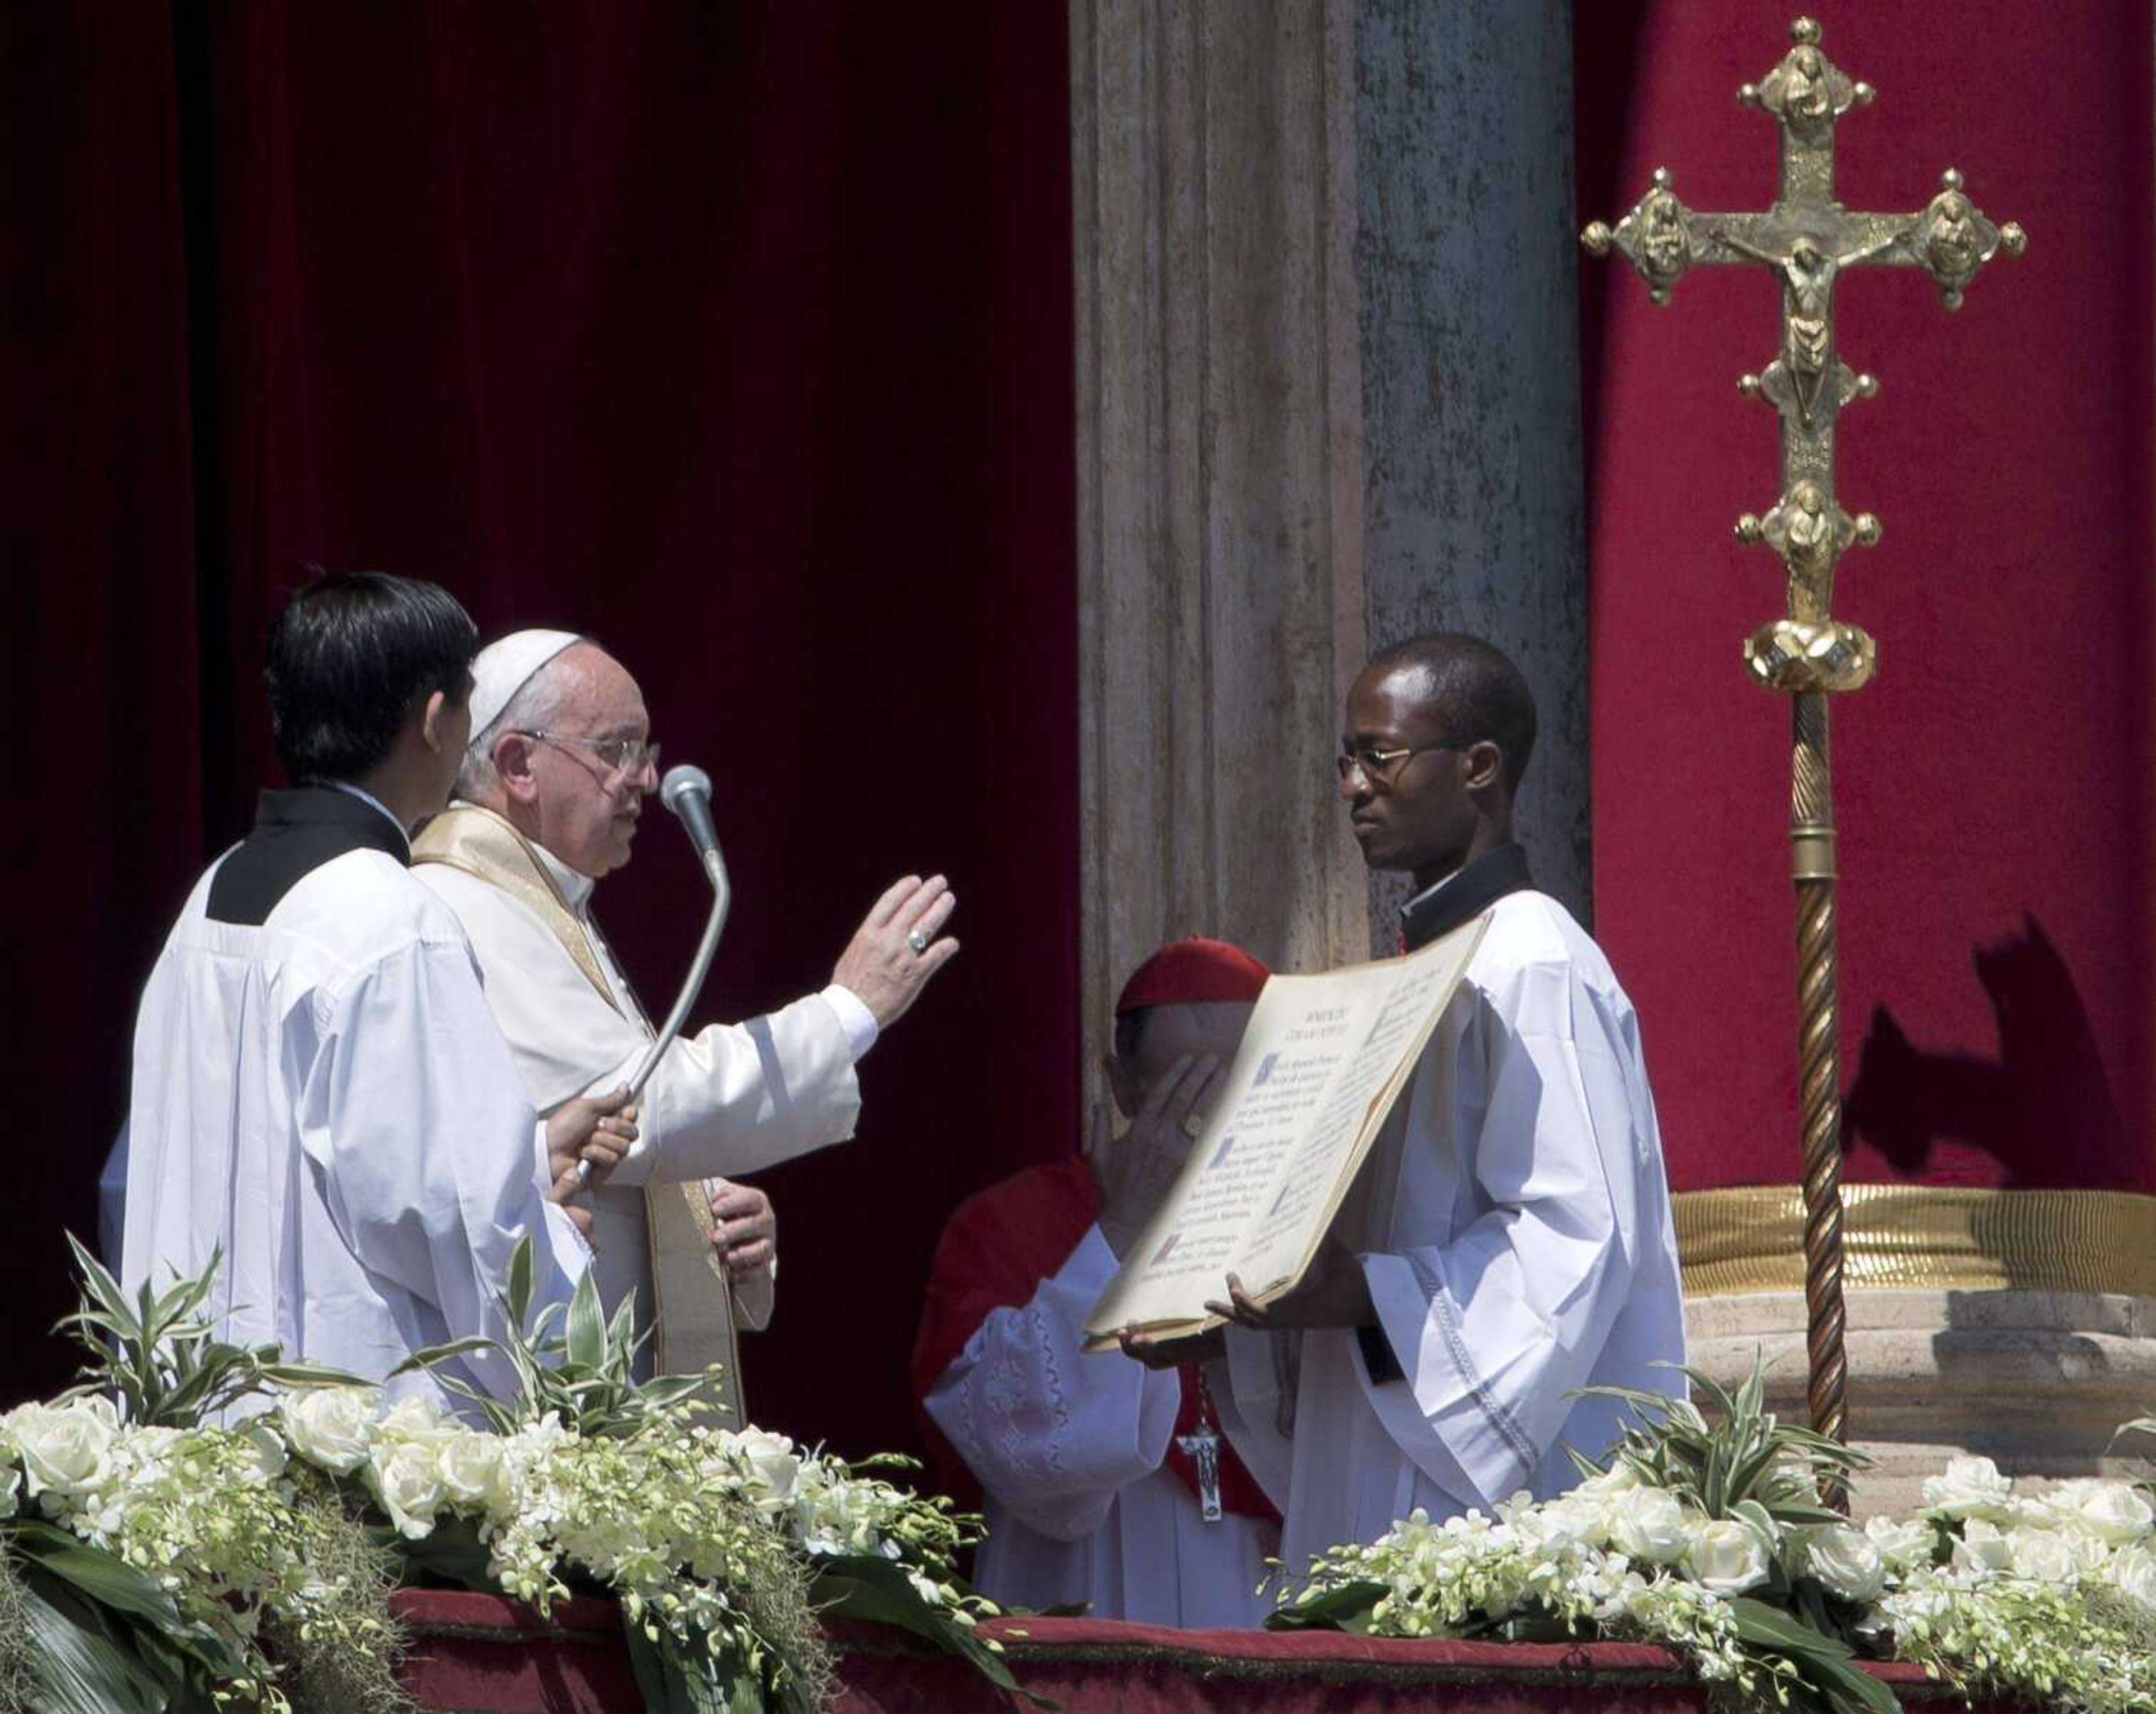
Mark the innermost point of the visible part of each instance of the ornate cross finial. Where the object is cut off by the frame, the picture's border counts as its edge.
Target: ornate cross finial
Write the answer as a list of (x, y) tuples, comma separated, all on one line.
[(1807, 238)]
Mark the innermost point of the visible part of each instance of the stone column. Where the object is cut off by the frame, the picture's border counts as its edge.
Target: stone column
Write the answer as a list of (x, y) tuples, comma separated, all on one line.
[(1220, 471), (1465, 271)]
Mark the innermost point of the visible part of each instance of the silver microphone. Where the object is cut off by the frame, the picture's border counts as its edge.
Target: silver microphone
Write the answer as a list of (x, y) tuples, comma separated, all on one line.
[(686, 791)]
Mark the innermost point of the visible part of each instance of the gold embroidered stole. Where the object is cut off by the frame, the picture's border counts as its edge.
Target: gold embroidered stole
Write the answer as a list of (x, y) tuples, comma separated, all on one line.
[(691, 1329)]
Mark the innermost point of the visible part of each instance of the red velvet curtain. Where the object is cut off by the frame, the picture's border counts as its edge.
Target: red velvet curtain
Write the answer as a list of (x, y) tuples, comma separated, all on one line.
[(739, 336), (1994, 782)]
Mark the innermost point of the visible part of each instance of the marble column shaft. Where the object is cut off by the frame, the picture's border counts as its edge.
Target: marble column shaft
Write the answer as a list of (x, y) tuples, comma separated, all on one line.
[(1219, 478)]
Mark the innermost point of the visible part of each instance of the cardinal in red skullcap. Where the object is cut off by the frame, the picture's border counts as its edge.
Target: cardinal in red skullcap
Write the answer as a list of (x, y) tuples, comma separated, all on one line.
[(1103, 1481)]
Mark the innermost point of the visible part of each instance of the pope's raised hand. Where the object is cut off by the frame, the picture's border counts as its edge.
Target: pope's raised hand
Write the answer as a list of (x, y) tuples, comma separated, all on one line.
[(897, 947), (594, 1129)]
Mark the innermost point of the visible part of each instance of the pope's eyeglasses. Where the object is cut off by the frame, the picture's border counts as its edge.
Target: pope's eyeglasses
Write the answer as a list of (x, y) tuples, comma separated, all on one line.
[(625, 758)]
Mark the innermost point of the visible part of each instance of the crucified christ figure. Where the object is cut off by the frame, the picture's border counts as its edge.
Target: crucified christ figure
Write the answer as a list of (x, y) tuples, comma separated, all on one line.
[(1808, 276)]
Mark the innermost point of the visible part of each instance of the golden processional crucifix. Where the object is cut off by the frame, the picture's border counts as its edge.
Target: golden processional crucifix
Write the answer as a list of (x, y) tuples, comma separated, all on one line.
[(1806, 239)]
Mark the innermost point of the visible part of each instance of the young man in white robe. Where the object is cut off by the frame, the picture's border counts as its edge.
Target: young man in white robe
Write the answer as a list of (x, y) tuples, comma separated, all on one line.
[(549, 799), (319, 1094), (1101, 1482), (1509, 1239)]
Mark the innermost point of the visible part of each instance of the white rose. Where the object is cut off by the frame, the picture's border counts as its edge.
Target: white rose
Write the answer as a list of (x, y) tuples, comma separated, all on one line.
[(11, 1488), (67, 1450), (1972, 1487), (473, 1472), (1616, 1480), (414, 1417), (1982, 1548), (1649, 1524), (2134, 1570), (773, 1457), (2044, 1555), (407, 1479), (2112, 1511), (1904, 1544), (1846, 1561), (1729, 1557), (1576, 1520), (329, 1427)]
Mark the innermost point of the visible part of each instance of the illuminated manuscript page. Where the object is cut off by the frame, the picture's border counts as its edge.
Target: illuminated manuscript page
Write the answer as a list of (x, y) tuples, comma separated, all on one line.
[(1320, 1065)]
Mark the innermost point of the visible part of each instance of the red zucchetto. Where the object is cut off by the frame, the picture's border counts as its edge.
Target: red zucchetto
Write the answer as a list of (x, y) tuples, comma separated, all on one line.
[(1192, 972)]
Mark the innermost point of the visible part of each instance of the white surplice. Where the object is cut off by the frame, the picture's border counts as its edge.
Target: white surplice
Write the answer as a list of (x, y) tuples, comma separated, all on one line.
[(1516, 1234), (727, 1100), (1070, 1449), (324, 1098)]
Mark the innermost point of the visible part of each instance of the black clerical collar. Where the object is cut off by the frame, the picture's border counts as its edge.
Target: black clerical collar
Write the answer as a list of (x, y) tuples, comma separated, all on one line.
[(295, 832), (321, 803), (1465, 893)]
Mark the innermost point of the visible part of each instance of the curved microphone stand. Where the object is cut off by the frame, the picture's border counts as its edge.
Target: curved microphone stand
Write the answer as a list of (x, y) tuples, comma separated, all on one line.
[(714, 867), (686, 791)]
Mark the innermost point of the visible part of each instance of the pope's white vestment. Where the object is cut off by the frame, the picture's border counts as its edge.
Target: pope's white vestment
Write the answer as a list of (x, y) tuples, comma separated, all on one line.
[(1069, 1449), (727, 1100), (320, 1093), (1515, 1232)]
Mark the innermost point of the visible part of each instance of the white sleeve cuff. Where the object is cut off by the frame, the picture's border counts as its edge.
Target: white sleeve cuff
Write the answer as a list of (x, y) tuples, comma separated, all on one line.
[(855, 1018)]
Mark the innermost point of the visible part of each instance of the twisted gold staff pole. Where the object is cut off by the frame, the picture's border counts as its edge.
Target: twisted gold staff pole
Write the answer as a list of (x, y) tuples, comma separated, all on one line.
[(1804, 241), (1818, 1057)]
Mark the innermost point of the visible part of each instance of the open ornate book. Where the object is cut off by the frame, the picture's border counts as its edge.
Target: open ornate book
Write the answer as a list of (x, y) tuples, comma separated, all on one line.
[(1324, 1061)]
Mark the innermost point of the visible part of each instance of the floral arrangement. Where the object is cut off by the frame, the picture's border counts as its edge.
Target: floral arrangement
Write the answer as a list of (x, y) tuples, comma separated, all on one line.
[(1710, 1539), (152, 1561)]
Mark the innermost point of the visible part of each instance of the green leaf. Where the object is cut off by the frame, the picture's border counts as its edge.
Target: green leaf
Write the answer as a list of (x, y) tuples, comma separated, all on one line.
[(1770, 1628), (2139, 1425), (1847, 1687), (79, 1667), (587, 1325), (1346, 1608), (861, 1587), (104, 1578), (428, 1356), (520, 1281), (1754, 1514), (1796, 1512), (308, 1374), (452, 1553), (676, 1681), (1752, 1396), (98, 1282), (622, 1330)]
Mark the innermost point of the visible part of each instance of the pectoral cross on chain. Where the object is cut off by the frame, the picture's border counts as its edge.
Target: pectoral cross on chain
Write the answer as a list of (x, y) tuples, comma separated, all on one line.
[(1807, 238), (1202, 1447)]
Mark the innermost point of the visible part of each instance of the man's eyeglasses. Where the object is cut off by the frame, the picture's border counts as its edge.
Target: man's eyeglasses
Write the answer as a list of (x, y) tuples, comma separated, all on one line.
[(625, 758), (1381, 769)]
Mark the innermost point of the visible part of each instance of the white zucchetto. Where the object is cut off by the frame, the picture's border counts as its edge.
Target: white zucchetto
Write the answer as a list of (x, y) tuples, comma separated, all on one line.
[(504, 667)]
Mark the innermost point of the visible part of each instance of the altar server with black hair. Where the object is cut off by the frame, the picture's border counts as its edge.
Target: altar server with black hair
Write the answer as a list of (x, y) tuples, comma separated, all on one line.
[(319, 1094)]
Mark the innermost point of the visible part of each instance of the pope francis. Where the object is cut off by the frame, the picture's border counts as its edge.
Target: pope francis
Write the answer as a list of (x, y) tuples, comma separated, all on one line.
[(548, 802)]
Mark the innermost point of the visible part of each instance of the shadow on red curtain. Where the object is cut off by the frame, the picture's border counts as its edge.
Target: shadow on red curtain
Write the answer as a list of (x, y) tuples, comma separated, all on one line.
[(1993, 784), (738, 336)]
